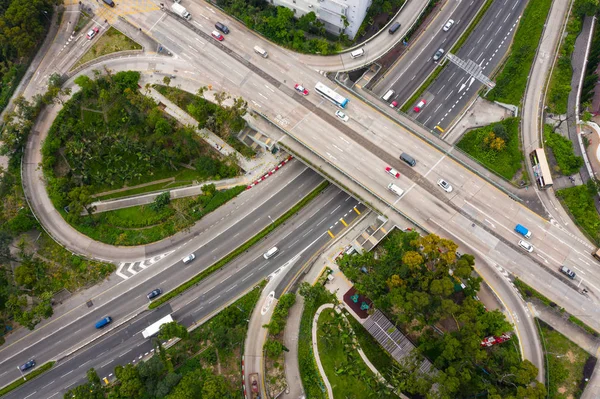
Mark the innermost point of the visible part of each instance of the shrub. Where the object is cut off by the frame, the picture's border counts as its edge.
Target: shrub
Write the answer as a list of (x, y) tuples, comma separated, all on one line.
[(562, 148)]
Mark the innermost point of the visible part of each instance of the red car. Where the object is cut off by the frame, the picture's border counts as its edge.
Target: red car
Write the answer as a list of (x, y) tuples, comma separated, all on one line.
[(419, 106), (217, 35), (393, 172), (301, 89), (92, 32), (394, 104)]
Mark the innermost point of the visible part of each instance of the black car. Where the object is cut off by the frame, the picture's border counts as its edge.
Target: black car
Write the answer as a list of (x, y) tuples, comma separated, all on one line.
[(567, 272), (154, 293), (222, 28), (27, 365)]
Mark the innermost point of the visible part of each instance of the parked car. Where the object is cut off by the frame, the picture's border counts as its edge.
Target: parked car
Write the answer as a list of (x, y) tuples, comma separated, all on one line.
[(154, 293), (438, 54), (445, 185), (28, 365), (217, 35), (392, 172), (188, 258), (394, 104), (568, 272), (93, 32), (301, 89), (526, 246), (448, 25), (419, 106), (341, 115)]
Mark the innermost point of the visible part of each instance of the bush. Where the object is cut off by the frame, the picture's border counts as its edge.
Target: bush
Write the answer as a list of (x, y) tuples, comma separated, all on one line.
[(579, 200), (279, 318), (562, 148)]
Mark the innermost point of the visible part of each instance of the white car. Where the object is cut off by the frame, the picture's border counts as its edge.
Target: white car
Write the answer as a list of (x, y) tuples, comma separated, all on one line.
[(188, 258), (448, 25), (392, 172), (445, 185), (526, 246), (341, 115)]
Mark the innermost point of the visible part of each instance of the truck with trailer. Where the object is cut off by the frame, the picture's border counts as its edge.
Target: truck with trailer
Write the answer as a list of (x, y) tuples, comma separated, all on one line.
[(255, 389), (154, 328), (181, 11)]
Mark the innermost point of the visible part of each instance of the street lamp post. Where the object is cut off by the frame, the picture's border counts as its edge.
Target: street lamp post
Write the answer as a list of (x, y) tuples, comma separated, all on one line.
[(271, 219), (22, 375), (46, 15)]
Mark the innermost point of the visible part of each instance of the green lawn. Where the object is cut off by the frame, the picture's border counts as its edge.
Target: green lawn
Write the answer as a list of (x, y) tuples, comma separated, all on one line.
[(111, 41), (348, 375), (512, 79), (505, 163), (140, 225), (566, 361)]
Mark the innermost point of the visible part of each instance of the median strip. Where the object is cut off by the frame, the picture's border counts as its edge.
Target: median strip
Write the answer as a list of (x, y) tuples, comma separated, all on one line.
[(436, 72), (239, 250), (28, 377)]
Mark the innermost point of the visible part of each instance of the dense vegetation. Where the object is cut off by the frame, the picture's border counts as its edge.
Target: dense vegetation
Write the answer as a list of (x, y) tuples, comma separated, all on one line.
[(347, 373), (410, 281), (23, 24), (32, 266), (591, 77), (579, 200), (279, 25), (512, 80), (483, 145), (225, 122), (562, 148), (110, 135), (204, 364)]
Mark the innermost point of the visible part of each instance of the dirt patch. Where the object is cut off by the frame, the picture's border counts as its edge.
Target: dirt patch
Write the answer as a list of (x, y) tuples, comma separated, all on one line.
[(571, 356)]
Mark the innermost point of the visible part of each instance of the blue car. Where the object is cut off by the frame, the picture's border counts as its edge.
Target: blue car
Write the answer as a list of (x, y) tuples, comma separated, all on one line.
[(27, 365), (104, 322)]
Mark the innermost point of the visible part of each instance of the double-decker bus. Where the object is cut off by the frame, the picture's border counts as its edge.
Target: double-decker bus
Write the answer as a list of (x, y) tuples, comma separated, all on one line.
[(331, 95)]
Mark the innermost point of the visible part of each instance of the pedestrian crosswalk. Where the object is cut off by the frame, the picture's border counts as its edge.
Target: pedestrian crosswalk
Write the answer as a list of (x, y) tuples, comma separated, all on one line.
[(130, 269)]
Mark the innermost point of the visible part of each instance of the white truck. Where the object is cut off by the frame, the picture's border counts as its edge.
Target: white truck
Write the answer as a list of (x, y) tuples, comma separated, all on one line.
[(395, 189), (181, 11), (154, 328)]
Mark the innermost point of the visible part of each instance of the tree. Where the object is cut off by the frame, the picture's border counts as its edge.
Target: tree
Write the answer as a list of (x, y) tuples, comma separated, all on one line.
[(167, 80), (80, 200), (500, 131), (215, 387), (131, 384), (173, 329), (93, 378), (190, 386), (85, 391), (585, 7), (161, 201), (273, 348)]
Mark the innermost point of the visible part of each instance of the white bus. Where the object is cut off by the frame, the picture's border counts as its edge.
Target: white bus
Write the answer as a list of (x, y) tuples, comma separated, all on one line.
[(541, 170), (154, 328), (331, 95)]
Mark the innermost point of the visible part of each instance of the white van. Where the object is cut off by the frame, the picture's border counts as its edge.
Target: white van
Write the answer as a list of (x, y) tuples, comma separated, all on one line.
[(395, 189), (260, 51), (357, 53), (270, 253), (388, 95)]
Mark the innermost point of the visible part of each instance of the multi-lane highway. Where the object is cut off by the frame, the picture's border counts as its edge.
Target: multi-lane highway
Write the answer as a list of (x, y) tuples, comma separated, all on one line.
[(297, 241), (453, 89), (407, 75), (474, 213)]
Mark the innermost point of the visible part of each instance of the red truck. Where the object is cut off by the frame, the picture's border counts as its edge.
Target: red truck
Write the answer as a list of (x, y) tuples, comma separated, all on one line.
[(254, 384), (490, 341)]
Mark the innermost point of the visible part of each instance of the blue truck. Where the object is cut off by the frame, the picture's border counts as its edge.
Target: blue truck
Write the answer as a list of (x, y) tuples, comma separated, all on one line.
[(523, 231)]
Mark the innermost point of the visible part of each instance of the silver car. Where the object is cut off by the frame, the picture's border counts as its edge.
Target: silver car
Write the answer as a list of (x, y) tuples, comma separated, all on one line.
[(438, 54)]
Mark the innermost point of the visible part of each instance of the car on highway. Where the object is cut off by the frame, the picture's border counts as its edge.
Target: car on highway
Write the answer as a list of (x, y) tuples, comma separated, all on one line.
[(93, 32), (394, 104), (438, 54), (392, 172), (217, 35), (188, 258), (154, 293), (301, 89), (419, 106), (448, 25), (445, 185), (104, 322), (568, 272), (27, 366), (526, 246), (341, 115)]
